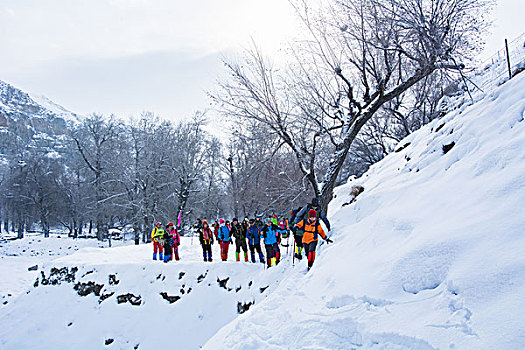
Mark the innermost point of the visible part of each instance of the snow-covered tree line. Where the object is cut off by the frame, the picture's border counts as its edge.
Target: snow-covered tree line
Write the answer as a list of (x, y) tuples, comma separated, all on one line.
[(103, 173), (367, 74)]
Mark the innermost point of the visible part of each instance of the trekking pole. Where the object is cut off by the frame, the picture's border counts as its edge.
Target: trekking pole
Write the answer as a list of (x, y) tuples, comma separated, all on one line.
[(293, 253)]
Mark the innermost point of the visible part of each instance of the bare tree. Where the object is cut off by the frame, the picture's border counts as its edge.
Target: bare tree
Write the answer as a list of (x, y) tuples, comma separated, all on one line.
[(359, 57), (95, 140)]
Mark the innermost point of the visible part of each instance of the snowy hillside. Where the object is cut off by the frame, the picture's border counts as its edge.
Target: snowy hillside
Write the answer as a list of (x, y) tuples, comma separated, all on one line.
[(429, 256)]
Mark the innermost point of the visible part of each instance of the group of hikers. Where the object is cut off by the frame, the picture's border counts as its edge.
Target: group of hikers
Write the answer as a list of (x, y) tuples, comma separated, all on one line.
[(304, 224)]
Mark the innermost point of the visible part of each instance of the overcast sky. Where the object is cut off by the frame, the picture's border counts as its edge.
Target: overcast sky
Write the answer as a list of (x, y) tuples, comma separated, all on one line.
[(126, 56)]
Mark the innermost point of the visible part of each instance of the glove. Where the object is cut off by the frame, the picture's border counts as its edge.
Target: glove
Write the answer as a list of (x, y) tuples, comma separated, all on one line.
[(328, 240)]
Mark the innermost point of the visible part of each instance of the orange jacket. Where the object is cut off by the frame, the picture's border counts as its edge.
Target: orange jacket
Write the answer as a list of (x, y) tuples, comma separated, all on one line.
[(312, 229)]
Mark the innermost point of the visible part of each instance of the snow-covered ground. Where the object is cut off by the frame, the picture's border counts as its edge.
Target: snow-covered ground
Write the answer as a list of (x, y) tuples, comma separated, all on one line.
[(17, 256), (131, 301)]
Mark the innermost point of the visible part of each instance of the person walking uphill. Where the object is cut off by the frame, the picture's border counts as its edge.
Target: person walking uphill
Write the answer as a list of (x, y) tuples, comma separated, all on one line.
[(303, 213), (224, 237), (312, 229), (156, 235), (206, 239), (253, 233), (239, 233)]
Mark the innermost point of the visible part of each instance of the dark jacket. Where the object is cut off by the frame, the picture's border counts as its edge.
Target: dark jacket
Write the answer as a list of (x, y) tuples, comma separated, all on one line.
[(238, 232)]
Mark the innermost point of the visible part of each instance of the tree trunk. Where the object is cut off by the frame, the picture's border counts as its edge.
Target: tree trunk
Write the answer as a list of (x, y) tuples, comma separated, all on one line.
[(136, 229), (20, 226)]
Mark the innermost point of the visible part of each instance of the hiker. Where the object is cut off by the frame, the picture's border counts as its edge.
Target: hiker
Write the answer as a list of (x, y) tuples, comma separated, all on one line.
[(224, 236), (216, 230), (156, 235), (167, 241), (297, 235), (303, 213), (253, 233), (173, 249), (269, 232), (206, 239), (312, 229), (283, 225), (239, 233), (259, 222)]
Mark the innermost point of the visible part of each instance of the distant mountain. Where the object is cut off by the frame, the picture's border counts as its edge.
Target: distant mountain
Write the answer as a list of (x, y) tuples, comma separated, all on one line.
[(31, 121)]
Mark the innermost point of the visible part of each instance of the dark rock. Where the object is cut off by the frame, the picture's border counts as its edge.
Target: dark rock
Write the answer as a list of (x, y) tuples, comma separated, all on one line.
[(84, 289), (448, 147), (108, 341), (222, 283), (262, 289), (104, 297), (201, 277), (440, 127), (238, 289), (181, 274), (169, 298), (129, 298), (113, 280), (243, 307), (70, 324)]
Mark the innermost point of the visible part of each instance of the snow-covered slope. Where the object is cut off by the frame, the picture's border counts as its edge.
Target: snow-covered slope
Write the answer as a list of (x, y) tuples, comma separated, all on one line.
[(431, 255)]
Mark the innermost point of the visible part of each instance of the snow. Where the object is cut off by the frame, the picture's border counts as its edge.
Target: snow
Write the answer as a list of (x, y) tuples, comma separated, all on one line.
[(429, 256)]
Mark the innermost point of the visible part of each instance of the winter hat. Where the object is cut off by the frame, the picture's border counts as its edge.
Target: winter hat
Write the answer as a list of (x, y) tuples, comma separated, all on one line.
[(204, 222), (312, 213), (268, 220), (315, 202), (221, 221), (170, 224), (234, 219), (158, 224)]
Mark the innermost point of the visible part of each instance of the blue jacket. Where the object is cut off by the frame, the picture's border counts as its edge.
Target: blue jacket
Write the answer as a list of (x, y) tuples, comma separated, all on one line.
[(253, 234), (270, 234), (224, 233)]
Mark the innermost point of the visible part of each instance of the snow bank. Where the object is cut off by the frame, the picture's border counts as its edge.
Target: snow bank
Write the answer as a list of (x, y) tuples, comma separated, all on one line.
[(430, 255)]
